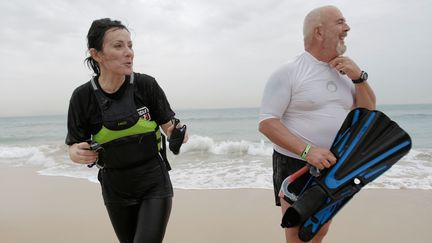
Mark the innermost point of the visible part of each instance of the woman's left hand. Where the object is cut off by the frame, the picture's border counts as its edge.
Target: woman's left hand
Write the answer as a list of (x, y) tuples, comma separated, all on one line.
[(169, 127)]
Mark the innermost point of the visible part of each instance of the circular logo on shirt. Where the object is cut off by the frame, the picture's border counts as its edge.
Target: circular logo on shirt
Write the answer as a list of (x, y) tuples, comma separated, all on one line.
[(331, 86)]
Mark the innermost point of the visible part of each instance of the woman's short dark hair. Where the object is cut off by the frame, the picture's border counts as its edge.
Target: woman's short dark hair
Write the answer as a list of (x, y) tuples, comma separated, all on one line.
[(95, 37)]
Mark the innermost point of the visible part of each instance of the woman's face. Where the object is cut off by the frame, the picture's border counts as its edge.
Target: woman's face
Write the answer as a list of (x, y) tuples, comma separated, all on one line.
[(117, 55)]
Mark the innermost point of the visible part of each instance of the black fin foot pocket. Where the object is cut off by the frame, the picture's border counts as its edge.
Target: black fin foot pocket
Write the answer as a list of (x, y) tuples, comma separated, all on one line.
[(305, 206), (177, 136)]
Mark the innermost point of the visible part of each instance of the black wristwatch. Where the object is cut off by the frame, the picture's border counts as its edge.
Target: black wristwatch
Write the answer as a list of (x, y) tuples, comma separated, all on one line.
[(363, 77)]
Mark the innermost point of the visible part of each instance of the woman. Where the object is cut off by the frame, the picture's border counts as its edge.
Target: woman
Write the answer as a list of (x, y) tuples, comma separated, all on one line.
[(119, 112)]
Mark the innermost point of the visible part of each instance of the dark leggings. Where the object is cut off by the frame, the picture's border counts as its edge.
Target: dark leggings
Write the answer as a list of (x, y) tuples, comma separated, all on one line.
[(141, 223)]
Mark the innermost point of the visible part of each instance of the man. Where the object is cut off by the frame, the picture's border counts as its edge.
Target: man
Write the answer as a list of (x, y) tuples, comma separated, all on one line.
[(305, 102)]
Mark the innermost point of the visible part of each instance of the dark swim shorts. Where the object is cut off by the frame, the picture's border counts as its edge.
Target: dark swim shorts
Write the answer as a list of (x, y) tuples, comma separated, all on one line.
[(283, 166)]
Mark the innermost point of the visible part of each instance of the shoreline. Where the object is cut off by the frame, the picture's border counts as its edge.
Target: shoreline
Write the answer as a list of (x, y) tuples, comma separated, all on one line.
[(37, 208)]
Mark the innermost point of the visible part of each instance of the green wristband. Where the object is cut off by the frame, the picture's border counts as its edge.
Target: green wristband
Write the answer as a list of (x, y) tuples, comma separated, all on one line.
[(305, 151)]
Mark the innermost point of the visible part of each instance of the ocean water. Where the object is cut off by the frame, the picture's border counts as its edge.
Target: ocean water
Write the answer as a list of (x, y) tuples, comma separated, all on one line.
[(225, 149)]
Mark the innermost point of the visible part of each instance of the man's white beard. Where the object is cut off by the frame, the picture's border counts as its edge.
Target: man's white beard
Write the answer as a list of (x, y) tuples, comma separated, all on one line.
[(340, 48)]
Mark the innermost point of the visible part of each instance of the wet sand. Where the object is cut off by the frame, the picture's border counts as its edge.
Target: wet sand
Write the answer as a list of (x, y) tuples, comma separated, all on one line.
[(44, 209)]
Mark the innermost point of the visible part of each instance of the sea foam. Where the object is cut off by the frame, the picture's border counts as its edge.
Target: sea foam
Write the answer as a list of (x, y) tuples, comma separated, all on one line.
[(207, 164)]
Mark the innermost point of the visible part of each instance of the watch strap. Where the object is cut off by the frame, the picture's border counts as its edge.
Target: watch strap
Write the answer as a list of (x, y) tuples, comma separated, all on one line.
[(361, 79)]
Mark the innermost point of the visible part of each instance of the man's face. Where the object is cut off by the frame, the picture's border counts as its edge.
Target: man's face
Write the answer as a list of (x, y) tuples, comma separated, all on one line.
[(335, 30)]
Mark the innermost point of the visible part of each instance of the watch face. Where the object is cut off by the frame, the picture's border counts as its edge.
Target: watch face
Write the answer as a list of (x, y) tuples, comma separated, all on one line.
[(364, 75)]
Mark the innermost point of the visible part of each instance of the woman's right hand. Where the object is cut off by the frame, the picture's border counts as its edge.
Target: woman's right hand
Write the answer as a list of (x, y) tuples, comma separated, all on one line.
[(320, 158), (80, 153)]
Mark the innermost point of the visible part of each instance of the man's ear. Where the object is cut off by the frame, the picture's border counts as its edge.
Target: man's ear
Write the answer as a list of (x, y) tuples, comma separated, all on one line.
[(95, 54), (318, 33)]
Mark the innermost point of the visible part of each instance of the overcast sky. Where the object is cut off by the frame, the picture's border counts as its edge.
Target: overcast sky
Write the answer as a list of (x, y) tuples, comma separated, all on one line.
[(205, 53)]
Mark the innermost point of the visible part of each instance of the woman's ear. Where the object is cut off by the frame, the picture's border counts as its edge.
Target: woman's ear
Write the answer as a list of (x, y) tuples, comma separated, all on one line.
[(95, 54)]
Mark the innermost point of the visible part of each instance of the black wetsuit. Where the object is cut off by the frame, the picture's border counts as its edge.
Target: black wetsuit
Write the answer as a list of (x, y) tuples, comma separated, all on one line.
[(138, 199)]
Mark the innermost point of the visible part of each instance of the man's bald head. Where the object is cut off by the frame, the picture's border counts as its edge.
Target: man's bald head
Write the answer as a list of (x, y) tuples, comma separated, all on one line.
[(315, 18)]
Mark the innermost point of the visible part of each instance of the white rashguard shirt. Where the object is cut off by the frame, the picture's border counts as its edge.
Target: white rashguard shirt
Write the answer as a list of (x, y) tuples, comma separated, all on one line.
[(310, 98)]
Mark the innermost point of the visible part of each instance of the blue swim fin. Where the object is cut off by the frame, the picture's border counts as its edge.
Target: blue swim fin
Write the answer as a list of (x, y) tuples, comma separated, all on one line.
[(367, 144)]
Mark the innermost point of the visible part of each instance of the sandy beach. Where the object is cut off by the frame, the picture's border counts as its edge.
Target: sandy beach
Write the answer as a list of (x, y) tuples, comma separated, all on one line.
[(43, 209)]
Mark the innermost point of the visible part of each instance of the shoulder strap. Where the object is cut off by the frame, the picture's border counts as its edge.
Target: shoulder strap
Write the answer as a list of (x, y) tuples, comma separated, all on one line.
[(95, 87), (103, 101), (93, 83), (132, 78)]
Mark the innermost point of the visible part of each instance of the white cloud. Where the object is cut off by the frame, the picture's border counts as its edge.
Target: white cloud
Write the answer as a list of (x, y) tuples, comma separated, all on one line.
[(204, 53)]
